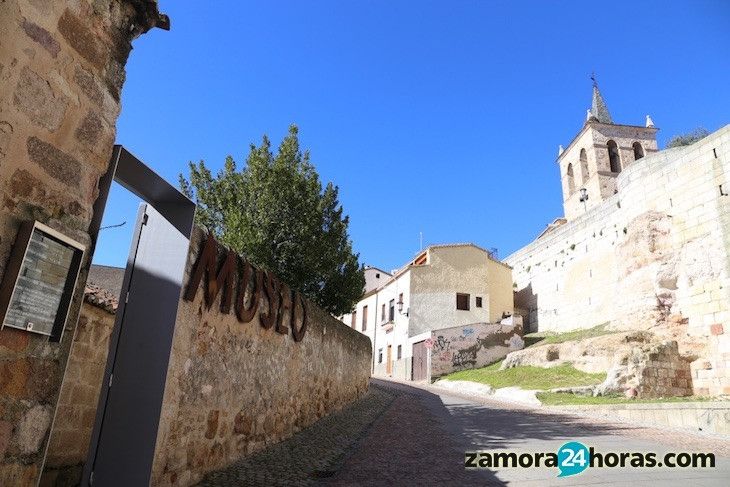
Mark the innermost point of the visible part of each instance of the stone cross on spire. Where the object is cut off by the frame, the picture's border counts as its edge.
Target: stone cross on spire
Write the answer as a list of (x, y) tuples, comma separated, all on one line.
[(599, 110)]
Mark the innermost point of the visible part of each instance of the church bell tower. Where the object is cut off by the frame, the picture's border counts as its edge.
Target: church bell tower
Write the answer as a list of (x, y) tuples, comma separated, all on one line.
[(595, 157)]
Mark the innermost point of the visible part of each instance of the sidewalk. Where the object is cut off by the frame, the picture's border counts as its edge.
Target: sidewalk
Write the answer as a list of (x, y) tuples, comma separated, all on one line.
[(313, 454)]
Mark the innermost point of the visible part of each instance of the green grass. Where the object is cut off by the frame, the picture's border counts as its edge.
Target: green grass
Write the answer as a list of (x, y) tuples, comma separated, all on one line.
[(549, 338), (529, 377), (563, 398)]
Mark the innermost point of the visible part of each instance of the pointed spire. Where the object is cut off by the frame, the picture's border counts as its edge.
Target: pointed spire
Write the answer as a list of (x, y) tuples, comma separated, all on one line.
[(599, 110), (560, 150), (649, 121)]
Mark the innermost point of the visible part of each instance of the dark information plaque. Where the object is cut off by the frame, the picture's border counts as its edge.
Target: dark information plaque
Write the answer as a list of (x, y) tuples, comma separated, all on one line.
[(39, 280)]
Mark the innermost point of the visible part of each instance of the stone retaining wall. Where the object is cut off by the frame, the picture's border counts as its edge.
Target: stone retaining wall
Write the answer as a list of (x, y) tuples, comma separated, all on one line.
[(653, 256), (77, 404), (707, 417), (234, 388), (664, 372)]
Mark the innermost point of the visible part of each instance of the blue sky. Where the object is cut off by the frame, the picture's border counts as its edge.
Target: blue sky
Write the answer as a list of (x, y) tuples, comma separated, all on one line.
[(434, 117)]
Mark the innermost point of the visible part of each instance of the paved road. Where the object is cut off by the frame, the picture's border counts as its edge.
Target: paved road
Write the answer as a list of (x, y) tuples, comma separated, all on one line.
[(405, 435), (449, 425)]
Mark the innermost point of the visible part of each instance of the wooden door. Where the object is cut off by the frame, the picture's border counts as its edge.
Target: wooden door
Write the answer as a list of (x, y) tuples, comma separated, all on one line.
[(389, 363), (420, 361)]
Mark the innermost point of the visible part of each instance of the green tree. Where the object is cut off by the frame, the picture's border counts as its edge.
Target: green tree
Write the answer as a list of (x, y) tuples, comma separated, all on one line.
[(688, 139), (275, 212)]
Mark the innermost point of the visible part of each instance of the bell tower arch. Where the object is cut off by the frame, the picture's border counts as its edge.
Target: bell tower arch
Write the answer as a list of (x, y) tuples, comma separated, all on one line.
[(597, 154)]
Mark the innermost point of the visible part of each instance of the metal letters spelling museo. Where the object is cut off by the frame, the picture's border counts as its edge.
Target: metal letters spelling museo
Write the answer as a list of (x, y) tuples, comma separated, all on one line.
[(278, 294)]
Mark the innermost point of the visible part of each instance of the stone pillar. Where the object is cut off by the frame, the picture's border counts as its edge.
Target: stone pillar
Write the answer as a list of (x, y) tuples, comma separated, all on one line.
[(61, 75)]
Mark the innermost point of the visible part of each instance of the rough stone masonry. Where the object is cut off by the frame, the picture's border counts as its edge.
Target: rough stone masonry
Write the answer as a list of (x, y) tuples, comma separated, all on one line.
[(237, 385), (654, 256), (61, 75)]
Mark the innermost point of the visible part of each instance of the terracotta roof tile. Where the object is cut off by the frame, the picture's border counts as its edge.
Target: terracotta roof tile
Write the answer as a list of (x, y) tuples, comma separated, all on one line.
[(101, 298)]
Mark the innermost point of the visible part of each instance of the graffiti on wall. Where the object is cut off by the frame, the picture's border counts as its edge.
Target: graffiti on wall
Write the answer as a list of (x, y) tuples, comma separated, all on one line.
[(256, 284), (473, 346)]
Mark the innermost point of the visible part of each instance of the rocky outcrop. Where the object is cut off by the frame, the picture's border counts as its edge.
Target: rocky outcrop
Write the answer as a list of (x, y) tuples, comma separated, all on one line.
[(637, 363), (597, 354)]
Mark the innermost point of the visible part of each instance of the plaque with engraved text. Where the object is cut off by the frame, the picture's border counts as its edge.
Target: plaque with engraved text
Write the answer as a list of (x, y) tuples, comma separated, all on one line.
[(40, 279)]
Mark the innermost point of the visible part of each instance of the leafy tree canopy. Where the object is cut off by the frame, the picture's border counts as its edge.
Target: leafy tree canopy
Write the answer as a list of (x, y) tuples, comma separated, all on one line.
[(688, 139), (275, 211)]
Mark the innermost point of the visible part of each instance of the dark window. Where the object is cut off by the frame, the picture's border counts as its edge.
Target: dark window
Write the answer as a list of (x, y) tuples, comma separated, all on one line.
[(583, 166), (354, 319), (462, 301), (479, 301), (377, 275), (571, 180), (638, 151), (391, 310), (380, 355), (382, 313), (613, 157), (364, 318), (399, 352)]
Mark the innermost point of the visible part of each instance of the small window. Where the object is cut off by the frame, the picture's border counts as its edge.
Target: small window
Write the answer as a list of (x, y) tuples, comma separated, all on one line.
[(462, 301), (479, 301), (638, 151), (614, 160), (364, 318), (399, 352), (380, 355), (571, 179), (354, 319), (382, 313), (391, 310)]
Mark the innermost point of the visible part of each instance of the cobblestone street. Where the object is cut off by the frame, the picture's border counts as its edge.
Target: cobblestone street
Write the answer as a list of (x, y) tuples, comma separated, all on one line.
[(312, 454), (404, 435)]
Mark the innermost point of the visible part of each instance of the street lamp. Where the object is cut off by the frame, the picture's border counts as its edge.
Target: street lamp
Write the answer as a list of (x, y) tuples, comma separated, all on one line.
[(583, 198), (400, 307)]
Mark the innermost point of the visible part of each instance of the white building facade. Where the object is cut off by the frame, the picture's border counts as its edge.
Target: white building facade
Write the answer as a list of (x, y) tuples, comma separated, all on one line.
[(443, 287)]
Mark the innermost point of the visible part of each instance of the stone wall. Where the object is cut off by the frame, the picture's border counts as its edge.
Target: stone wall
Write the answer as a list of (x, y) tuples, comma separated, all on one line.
[(473, 346), (653, 256), (233, 388), (61, 73), (664, 372), (79, 398), (698, 417)]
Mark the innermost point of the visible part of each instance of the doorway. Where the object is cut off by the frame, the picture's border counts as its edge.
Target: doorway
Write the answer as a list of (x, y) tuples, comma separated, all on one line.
[(124, 432), (420, 361)]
